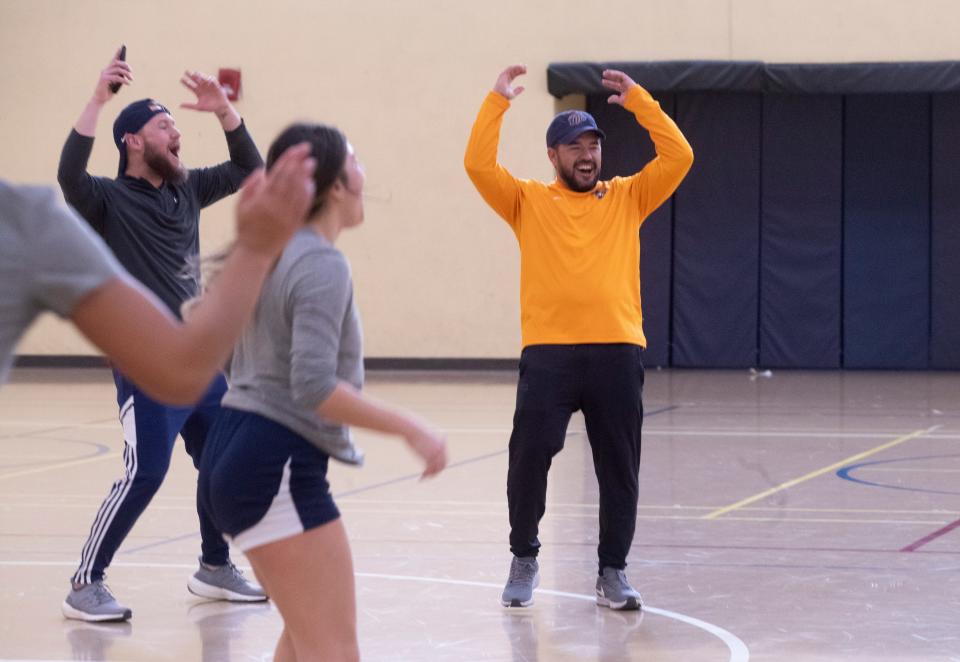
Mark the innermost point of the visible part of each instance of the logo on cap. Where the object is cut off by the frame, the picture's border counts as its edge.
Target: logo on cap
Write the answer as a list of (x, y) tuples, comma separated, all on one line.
[(569, 124)]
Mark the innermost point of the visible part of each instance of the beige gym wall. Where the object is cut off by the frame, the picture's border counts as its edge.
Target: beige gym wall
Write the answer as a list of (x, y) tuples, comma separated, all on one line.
[(436, 272)]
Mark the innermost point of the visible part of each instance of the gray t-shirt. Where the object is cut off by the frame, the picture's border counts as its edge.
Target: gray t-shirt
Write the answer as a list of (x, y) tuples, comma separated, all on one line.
[(305, 336), (49, 260)]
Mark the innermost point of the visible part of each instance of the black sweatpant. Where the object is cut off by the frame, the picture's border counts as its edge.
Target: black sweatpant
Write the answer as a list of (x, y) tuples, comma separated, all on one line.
[(605, 381)]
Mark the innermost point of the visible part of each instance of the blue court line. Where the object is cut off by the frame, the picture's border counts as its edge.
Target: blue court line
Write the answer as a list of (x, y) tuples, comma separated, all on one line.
[(845, 472), (367, 488)]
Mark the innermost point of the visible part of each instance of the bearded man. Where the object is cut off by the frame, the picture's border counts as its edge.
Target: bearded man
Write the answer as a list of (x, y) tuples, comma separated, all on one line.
[(149, 217), (582, 329)]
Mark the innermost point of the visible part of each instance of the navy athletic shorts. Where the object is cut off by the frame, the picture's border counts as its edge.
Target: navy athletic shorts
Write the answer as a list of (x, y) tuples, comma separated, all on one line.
[(261, 482)]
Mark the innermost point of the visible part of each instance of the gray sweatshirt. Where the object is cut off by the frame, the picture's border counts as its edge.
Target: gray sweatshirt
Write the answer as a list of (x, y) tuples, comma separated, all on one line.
[(304, 338), (49, 260)]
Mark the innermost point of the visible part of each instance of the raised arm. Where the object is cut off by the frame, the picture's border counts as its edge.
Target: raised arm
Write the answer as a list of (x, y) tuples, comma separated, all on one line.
[(661, 176), (211, 98), (494, 182), (116, 71), (221, 180), (79, 188), (121, 317)]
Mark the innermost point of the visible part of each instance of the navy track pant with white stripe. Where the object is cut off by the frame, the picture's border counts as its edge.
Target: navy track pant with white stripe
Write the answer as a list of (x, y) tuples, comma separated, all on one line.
[(149, 432)]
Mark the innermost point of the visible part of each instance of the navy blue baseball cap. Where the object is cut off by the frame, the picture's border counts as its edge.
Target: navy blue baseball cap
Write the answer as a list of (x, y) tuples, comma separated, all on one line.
[(130, 120), (568, 125)]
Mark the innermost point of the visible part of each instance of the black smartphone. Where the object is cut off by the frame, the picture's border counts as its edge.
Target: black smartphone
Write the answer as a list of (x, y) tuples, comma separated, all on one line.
[(114, 87)]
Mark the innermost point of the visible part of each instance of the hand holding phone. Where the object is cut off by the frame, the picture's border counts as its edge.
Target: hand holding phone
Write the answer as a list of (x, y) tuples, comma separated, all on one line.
[(122, 55)]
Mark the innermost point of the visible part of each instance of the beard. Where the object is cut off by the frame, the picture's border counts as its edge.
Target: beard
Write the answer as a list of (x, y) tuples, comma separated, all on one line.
[(570, 178), (160, 164)]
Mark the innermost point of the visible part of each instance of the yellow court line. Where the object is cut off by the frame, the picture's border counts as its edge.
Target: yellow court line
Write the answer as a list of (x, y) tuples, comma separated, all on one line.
[(62, 465), (819, 472)]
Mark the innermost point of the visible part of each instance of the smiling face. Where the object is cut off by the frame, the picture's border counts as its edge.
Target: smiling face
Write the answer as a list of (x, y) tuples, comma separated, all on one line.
[(161, 148), (578, 163)]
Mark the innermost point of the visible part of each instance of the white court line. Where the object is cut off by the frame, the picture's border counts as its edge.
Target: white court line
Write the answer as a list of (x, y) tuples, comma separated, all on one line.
[(730, 432), (365, 506), (97, 498), (427, 514), (735, 432), (649, 518), (61, 465), (92, 504), (738, 650), (12, 501), (112, 423), (49, 425), (33, 457), (687, 432), (820, 520), (666, 506), (114, 564), (753, 432)]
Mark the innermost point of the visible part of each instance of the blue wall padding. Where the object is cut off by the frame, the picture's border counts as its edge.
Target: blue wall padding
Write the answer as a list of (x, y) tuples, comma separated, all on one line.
[(716, 233), (886, 271), (945, 234), (801, 231)]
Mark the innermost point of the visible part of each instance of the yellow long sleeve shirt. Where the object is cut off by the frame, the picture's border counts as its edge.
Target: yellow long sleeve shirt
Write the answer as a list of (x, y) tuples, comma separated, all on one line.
[(579, 252)]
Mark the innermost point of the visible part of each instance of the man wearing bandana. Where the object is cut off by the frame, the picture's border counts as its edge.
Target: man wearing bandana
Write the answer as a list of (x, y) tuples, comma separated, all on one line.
[(149, 217)]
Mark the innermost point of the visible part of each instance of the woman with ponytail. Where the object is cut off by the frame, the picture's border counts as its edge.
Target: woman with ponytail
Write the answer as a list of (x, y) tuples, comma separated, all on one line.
[(295, 391)]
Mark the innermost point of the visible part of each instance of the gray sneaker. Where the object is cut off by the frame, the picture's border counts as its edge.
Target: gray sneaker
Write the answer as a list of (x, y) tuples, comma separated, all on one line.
[(524, 577), (94, 602), (224, 582), (614, 591)]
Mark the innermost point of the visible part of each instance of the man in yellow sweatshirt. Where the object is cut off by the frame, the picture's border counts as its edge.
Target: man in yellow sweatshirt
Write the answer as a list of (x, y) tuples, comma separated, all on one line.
[(580, 316)]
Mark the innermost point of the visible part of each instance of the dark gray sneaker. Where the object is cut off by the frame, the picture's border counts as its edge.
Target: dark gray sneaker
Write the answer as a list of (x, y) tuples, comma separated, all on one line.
[(224, 582), (614, 591), (524, 577), (94, 602)]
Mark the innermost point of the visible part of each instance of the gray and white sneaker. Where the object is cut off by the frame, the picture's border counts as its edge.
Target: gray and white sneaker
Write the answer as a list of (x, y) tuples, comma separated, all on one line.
[(524, 577), (94, 602), (224, 582), (614, 591)]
